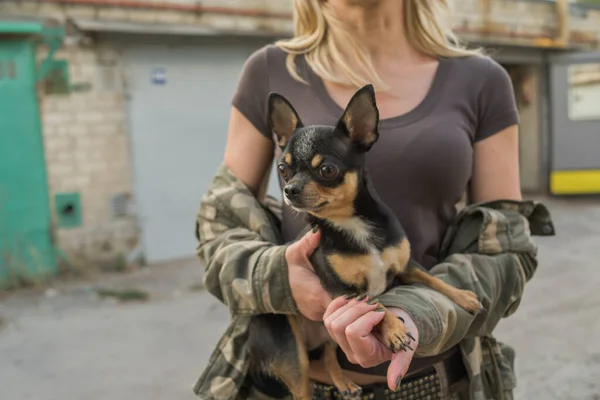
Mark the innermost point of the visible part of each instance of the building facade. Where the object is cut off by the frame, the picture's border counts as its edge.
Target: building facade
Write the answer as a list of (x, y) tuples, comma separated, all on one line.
[(132, 102)]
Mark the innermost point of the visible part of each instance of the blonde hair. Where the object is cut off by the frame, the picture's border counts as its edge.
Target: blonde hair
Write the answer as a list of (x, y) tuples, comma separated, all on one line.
[(320, 37)]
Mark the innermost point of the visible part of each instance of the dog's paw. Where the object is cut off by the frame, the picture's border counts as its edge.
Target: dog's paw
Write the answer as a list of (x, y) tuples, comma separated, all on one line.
[(469, 301), (350, 390), (395, 334)]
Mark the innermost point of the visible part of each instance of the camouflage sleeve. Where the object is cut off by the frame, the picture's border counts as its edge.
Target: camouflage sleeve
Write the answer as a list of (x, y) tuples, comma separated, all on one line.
[(489, 250), (241, 249)]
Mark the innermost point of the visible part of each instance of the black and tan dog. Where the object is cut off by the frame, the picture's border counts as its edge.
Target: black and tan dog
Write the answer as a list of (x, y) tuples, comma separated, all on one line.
[(363, 249)]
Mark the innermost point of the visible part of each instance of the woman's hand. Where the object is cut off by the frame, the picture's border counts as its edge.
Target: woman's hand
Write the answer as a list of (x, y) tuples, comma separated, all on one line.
[(310, 297), (350, 323)]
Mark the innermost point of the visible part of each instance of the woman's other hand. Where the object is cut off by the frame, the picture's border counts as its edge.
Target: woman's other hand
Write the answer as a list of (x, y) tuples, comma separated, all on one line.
[(310, 297), (350, 323)]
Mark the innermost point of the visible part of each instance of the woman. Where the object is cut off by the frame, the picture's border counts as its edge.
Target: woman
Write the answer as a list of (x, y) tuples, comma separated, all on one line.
[(448, 126)]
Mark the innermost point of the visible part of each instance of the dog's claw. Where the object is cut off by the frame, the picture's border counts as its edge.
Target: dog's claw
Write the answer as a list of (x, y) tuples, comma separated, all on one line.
[(481, 310), (402, 343), (396, 337), (352, 391)]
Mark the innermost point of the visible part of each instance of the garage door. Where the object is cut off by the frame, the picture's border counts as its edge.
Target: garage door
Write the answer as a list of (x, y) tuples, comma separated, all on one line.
[(575, 94), (179, 108)]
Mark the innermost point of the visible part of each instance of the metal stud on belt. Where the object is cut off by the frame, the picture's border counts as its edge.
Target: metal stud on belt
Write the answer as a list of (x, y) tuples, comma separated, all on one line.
[(425, 388)]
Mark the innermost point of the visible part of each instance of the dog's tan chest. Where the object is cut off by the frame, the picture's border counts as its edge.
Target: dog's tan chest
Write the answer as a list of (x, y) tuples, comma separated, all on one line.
[(396, 257), (371, 270)]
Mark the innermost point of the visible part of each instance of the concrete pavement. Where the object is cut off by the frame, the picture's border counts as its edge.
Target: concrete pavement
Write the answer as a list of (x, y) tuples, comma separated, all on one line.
[(68, 344)]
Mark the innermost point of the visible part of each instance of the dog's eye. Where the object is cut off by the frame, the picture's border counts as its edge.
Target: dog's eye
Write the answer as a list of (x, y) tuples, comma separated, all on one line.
[(283, 170), (328, 171)]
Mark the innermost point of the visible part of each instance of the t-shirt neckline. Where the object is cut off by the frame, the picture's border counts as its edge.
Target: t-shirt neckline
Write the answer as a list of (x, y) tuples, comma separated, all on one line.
[(418, 112)]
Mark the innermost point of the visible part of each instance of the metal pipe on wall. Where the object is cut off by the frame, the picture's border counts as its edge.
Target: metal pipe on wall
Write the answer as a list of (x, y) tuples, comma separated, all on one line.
[(562, 11)]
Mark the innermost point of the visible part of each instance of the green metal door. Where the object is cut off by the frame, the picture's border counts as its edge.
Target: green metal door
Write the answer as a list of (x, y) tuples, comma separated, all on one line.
[(25, 243)]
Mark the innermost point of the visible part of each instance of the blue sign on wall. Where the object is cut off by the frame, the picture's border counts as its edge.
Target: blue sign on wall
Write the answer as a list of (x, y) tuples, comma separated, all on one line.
[(159, 76)]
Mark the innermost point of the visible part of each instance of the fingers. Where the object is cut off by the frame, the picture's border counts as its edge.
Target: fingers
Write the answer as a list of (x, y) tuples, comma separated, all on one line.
[(367, 349), (339, 320), (398, 368), (311, 242), (300, 251), (334, 306), (345, 302), (334, 314)]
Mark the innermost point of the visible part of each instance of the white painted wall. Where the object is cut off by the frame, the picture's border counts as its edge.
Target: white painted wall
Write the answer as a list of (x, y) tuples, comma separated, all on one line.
[(179, 109)]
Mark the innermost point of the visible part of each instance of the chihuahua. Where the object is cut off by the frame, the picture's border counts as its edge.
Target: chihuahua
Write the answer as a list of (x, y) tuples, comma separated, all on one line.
[(363, 250)]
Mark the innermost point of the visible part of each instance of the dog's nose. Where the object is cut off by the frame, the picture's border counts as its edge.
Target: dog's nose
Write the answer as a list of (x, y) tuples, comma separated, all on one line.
[(292, 191)]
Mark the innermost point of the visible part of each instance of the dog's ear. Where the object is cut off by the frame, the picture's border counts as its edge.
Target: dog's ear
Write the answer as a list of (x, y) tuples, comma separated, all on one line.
[(284, 120), (361, 118)]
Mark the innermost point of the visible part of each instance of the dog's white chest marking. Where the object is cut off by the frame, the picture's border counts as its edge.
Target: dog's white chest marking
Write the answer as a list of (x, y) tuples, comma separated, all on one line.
[(356, 228), (360, 231), (377, 278)]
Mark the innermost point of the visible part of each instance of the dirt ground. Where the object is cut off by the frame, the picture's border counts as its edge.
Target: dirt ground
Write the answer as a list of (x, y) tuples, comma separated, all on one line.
[(68, 343)]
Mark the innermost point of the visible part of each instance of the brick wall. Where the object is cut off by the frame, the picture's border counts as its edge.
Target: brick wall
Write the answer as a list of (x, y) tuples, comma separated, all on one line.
[(86, 147)]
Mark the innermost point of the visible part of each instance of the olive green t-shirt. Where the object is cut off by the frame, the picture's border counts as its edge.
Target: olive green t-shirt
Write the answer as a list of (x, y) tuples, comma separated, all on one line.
[(423, 161)]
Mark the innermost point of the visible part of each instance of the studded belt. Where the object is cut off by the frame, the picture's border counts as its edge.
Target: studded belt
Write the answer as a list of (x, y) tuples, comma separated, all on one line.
[(432, 383)]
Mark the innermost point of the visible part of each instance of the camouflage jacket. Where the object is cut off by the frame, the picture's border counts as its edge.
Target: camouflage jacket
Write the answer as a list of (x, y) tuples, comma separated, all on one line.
[(488, 249)]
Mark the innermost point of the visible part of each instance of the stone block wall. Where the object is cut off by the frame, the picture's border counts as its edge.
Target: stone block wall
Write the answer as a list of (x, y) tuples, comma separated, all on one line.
[(86, 148)]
